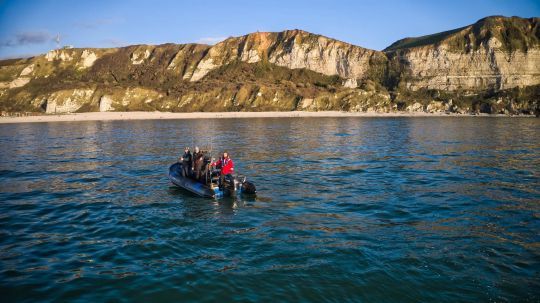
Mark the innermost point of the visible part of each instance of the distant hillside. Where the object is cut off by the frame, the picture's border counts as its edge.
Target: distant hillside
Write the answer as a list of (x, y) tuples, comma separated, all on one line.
[(423, 40), (489, 56), (514, 33), (491, 66)]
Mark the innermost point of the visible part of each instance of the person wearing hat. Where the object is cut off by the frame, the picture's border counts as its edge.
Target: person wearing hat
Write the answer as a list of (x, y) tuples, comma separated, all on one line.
[(227, 167), (186, 160)]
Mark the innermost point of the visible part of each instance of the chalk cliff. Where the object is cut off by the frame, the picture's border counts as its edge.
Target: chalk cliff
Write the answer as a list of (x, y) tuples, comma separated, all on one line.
[(491, 66), (295, 49), (496, 53)]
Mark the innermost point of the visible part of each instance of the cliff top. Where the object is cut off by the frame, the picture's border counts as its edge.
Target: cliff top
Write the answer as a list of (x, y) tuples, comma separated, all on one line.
[(514, 33)]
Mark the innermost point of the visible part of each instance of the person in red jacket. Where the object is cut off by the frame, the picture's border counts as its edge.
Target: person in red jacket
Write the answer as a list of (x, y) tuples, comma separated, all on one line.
[(227, 167)]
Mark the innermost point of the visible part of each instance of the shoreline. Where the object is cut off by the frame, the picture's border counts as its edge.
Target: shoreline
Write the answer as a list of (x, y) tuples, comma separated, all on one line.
[(118, 116)]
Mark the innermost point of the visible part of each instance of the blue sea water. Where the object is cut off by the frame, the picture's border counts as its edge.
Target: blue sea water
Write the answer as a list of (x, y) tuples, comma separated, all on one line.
[(348, 209)]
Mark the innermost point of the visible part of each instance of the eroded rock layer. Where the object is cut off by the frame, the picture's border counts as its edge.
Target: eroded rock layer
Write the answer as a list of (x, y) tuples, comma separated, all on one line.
[(492, 66)]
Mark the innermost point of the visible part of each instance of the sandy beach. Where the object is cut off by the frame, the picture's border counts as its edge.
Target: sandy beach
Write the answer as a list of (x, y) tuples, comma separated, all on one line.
[(109, 116)]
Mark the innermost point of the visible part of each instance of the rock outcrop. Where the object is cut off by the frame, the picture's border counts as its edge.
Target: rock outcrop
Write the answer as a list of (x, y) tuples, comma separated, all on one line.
[(65, 101), (294, 49), (496, 53), (492, 66)]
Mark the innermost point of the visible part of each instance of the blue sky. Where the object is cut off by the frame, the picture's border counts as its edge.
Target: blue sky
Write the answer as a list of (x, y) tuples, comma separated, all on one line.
[(29, 27)]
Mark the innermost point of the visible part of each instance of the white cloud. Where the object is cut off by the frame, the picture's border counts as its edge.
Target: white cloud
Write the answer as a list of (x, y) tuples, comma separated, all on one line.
[(27, 38)]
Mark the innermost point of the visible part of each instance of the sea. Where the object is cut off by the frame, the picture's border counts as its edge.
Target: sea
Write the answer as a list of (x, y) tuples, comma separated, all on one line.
[(401, 209)]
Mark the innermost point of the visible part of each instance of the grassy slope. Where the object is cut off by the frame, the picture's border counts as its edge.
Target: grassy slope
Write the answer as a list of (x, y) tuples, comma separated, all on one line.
[(514, 33)]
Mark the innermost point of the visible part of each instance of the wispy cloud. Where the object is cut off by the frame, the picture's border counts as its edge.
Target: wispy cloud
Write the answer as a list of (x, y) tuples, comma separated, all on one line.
[(26, 38), (211, 40)]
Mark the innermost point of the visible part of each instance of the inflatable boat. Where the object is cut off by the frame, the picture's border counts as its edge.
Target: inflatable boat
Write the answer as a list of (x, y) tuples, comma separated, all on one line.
[(209, 188)]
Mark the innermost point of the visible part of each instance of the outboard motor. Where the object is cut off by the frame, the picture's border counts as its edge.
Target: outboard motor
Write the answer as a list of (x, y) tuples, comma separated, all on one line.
[(248, 188), (239, 184), (238, 181), (244, 186)]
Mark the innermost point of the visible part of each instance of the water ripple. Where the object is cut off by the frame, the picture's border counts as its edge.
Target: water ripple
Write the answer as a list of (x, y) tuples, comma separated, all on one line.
[(349, 209)]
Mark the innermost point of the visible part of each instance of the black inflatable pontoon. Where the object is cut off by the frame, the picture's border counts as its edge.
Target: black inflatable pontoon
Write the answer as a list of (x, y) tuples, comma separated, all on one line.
[(210, 189)]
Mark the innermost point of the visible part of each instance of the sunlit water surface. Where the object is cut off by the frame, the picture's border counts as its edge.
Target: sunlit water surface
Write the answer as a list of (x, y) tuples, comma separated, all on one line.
[(348, 209)]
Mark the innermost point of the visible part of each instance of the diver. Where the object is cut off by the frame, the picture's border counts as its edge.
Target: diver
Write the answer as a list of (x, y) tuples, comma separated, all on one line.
[(198, 157), (186, 160), (227, 168)]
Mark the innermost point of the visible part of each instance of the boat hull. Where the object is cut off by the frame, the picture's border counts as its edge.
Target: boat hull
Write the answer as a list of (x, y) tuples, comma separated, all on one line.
[(175, 175), (236, 185)]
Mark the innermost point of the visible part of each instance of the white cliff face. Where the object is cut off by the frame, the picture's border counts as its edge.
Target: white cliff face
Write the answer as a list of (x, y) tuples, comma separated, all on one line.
[(250, 56), (203, 68), (27, 71), (71, 100), (58, 54), (220, 54), (19, 82), (306, 103), (186, 59), (435, 66), (326, 56), (24, 78), (67, 101), (105, 104), (488, 67), (350, 83), (87, 59), (139, 56), (296, 49)]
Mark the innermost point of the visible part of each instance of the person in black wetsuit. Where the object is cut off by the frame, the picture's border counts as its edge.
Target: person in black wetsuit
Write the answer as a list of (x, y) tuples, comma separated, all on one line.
[(198, 163), (205, 174), (187, 162)]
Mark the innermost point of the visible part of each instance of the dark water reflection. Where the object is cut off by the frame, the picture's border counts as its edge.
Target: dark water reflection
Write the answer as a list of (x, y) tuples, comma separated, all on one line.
[(401, 209)]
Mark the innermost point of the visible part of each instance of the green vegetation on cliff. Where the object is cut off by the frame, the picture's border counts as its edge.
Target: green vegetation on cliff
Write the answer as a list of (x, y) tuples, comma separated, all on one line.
[(514, 33), (290, 70)]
